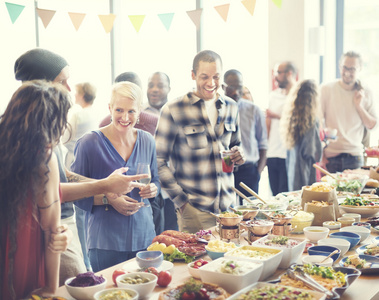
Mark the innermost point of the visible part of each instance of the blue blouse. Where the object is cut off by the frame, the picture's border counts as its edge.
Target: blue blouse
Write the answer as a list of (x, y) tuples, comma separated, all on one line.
[(95, 157)]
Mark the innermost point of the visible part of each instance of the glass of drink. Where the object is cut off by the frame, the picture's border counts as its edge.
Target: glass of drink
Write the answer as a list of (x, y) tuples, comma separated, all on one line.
[(144, 169), (227, 164)]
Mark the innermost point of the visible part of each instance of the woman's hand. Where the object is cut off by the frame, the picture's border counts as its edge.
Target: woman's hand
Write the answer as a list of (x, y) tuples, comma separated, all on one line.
[(125, 205), (60, 239), (148, 191)]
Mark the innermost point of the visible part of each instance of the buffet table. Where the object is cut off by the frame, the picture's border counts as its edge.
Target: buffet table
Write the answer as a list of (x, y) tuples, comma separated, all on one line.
[(364, 288)]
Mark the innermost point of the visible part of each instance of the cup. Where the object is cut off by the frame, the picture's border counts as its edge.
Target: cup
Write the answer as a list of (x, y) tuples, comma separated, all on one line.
[(356, 217), (227, 164), (346, 221)]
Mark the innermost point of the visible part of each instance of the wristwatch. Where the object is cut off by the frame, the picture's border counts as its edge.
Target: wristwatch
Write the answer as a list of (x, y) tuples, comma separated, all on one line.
[(105, 202)]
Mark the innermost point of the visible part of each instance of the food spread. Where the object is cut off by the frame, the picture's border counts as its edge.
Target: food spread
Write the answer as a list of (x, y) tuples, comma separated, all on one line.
[(116, 295), (253, 252), (274, 293), (278, 241)]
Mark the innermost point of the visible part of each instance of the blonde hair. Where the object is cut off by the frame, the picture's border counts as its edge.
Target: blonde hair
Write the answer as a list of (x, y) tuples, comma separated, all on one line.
[(127, 89), (300, 112)]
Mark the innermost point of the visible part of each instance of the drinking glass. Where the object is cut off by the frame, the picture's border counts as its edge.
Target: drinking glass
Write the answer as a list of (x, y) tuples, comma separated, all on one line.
[(144, 169)]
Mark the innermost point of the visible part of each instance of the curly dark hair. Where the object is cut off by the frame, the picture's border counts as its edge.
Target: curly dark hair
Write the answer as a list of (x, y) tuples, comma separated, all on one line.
[(32, 124)]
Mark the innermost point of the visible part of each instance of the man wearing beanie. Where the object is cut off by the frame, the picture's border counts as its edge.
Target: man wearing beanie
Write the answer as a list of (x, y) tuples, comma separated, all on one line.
[(44, 64)]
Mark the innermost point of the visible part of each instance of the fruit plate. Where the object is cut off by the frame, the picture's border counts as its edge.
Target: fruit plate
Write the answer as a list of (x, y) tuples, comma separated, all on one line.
[(132, 266), (373, 269)]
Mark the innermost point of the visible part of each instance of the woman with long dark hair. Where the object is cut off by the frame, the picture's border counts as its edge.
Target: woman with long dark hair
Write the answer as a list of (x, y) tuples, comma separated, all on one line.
[(29, 188), (300, 131)]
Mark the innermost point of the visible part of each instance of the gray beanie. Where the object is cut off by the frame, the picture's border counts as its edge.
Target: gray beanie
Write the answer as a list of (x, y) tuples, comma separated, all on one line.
[(39, 64)]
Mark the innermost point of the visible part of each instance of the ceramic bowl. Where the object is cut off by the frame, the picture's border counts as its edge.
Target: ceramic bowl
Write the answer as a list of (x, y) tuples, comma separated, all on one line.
[(346, 221), (363, 232), (332, 225), (301, 220), (316, 260), (214, 255), (362, 224), (115, 293), (324, 250), (260, 227), (84, 293), (211, 272), (143, 289), (194, 271), (341, 244), (146, 259), (352, 237), (315, 233), (356, 217)]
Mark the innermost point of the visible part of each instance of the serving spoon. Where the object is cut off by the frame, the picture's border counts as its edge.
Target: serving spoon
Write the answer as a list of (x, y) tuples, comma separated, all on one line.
[(252, 192), (330, 255), (324, 171)]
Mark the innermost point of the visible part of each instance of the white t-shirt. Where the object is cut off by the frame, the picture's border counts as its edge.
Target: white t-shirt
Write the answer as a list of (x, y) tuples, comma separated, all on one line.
[(277, 99), (339, 112), (210, 106)]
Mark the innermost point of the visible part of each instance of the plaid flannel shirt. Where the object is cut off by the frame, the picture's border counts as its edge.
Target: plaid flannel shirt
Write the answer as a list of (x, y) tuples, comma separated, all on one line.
[(186, 138)]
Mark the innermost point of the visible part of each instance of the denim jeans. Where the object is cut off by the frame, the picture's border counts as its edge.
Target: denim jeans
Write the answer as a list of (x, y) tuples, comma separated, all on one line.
[(344, 161), (277, 175), (103, 259), (248, 174)]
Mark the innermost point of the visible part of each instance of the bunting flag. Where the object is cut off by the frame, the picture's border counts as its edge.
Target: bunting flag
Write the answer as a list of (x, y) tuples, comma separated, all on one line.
[(14, 10), (166, 19), (249, 5), (278, 3), (46, 16), (137, 21), (76, 19), (107, 21), (223, 11), (195, 16)]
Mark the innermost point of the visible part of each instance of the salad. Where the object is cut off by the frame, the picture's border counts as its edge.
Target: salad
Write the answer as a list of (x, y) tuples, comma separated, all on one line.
[(353, 261), (358, 201)]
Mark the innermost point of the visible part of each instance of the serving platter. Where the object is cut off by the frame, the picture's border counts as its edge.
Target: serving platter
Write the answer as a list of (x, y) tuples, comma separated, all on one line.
[(350, 276), (367, 211), (373, 269), (363, 248)]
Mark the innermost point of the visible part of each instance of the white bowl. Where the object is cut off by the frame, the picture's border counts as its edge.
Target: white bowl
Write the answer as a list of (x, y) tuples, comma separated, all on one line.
[(231, 282), (193, 271), (356, 217), (290, 253), (84, 293), (132, 293), (335, 225), (315, 233), (341, 244), (143, 289), (363, 232), (316, 259), (270, 262)]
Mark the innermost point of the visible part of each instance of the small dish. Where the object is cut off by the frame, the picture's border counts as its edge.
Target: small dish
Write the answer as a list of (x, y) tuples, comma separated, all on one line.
[(325, 251), (86, 292), (146, 259), (115, 292), (356, 217), (332, 225), (352, 237), (142, 288), (316, 233), (363, 232), (346, 221), (363, 224), (317, 259), (373, 269), (341, 244)]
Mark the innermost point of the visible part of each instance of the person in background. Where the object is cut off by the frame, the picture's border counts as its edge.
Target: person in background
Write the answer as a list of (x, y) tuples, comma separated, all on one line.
[(147, 121), (41, 63), (192, 131), (301, 134), (81, 120), (285, 76), (350, 108), (30, 195), (253, 134), (158, 87), (117, 235), (246, 94)]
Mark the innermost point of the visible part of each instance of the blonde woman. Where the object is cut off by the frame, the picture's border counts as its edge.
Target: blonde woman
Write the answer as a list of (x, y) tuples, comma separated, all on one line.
[(116, 233), (300, 133)]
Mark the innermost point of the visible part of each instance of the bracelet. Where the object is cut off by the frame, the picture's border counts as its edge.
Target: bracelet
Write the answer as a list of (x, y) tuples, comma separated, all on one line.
[(105, 202)]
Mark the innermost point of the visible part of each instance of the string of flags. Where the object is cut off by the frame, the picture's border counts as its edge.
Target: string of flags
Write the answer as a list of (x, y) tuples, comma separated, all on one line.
[(107, 21)]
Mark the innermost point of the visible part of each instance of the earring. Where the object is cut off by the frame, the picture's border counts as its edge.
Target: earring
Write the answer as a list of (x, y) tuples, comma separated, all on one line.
[(138, 121)]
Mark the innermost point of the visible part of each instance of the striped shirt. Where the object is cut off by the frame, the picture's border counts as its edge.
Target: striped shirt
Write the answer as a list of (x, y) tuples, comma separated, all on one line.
[(186, 136)]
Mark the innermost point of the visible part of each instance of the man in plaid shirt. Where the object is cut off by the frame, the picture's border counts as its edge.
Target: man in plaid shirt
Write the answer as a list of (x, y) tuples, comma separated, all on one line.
[(192, 131)]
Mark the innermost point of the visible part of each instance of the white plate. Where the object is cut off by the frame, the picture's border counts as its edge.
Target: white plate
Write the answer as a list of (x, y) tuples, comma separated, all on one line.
[(133, 266), (367, 211)]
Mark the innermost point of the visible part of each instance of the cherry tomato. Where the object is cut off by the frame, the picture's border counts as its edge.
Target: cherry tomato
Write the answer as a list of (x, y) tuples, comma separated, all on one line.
[(152, 270), (189, 296), (117, 273), (164, 278), (204, 294)]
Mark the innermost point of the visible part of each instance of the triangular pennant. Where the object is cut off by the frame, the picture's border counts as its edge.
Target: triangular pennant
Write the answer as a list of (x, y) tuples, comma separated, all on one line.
[(14, 10), (278, 3), (249, 5), (107, 21), (46, 16), (76, 19), (166, 19), (223, 11), (137, 21), (195, 16)]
